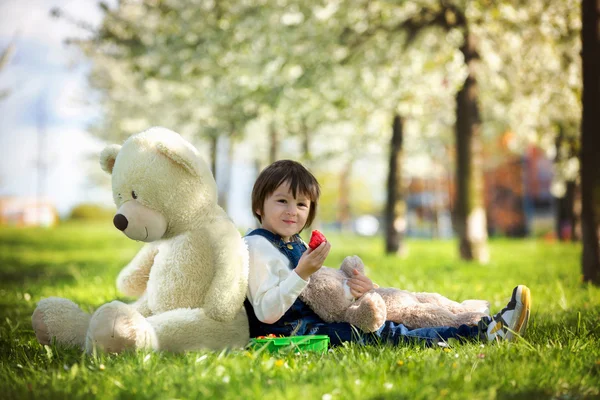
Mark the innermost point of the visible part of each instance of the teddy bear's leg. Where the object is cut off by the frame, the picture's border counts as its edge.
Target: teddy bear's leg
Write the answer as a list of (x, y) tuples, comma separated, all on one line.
[(116, 327), (368, 312), (190, 329), (454, 307), (62, 319), (422, 315), (439, 300)]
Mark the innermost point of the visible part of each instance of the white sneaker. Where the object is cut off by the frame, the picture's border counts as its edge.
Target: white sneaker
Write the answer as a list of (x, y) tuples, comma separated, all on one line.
[(512, 320)]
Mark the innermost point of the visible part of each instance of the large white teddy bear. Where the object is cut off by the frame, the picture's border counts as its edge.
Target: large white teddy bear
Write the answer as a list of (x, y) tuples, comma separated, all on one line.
[(190, 277)]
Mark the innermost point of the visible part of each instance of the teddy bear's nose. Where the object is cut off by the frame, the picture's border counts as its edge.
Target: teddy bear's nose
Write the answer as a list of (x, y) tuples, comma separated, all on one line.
[(120, 222)]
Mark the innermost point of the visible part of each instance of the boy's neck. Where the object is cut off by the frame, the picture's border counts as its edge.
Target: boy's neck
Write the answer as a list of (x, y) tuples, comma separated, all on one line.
[(285, 240)]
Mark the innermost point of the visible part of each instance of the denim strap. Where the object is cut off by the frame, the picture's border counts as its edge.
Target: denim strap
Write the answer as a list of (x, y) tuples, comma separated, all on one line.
[(293, 249)]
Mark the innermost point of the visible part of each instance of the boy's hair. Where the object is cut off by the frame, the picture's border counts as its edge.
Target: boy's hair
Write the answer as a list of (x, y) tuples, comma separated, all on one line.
[(299, 179)]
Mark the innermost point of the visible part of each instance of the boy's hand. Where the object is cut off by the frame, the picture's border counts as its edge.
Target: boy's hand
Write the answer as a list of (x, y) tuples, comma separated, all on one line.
[(360, 284), (312, 260)]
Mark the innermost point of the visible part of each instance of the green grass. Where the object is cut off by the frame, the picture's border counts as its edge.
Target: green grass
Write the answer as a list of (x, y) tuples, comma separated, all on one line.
[(559, 358)]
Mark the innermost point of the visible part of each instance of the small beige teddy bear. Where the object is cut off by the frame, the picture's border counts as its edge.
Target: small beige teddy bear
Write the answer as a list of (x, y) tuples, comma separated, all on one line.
[(327, 295)]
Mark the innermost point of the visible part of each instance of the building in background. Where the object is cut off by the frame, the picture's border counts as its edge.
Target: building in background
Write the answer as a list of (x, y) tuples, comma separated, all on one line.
[(24, 212), (517, 195), (518, 201), (428, 205)]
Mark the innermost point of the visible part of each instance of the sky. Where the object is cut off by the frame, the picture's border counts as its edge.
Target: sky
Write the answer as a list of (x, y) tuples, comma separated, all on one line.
[(43, 121), (48, 87)]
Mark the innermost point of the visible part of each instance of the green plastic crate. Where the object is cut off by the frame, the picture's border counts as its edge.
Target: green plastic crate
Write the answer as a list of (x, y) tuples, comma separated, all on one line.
[(297, 344)]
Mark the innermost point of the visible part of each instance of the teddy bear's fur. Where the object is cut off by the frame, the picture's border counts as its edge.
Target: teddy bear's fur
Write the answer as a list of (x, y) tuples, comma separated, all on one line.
[(325, 295), (191, 276)]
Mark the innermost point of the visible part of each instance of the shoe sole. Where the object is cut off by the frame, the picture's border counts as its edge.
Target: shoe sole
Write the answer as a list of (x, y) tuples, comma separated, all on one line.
[(522, 310)]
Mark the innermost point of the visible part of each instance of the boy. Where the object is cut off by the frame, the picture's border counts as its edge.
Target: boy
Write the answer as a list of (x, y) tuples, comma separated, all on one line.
[(285, 200)]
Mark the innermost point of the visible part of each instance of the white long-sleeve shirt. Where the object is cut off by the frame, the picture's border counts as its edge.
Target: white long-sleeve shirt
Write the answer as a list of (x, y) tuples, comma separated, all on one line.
[(272, 286)]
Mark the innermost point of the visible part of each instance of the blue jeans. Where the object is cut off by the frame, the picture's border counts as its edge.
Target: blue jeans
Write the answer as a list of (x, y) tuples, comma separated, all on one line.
[(390, 332), (393, 333)]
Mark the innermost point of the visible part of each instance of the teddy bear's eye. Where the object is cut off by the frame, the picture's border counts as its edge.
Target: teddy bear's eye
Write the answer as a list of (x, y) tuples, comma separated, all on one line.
[(134, 194)]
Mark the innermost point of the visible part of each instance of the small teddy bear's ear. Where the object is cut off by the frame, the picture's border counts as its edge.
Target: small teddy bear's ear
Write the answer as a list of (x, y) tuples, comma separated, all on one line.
[(350, 263), (108, 157)]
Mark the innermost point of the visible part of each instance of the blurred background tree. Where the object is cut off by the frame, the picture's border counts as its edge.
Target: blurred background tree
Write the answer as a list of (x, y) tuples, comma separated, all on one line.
[(5, 56), (590, 140), (424, 90)]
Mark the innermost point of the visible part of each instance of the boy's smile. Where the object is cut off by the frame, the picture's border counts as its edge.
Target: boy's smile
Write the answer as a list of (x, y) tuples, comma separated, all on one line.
[(283, 214)]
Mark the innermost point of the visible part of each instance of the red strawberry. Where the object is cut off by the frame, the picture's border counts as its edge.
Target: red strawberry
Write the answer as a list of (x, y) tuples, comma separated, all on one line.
[(316, 239)]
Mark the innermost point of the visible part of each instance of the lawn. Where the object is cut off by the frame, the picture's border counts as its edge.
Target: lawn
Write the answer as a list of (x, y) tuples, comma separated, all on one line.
[(558, 358)]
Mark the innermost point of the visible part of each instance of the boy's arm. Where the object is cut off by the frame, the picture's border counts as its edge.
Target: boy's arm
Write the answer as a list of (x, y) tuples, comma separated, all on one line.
[(272, 287), (133, 278)]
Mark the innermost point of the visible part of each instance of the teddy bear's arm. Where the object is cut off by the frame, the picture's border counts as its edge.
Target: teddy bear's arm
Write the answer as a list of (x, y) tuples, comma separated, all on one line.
[(227, 290), (133, 278), (141, 305), (325, 295)]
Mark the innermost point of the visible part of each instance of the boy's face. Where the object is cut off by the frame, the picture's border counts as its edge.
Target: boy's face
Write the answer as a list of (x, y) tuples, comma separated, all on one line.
[(284, 215)]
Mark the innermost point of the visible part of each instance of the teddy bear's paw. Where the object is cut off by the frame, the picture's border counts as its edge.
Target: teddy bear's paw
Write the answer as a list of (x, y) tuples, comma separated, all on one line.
[(368, 313), (39, 327), (59, 318), (468, 318), (478, 306), (116, 327)]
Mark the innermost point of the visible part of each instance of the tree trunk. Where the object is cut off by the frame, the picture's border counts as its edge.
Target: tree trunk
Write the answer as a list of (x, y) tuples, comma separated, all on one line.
[(590, 140), (470, 219), (343, 211), (273, 143), (576, 227), (395, 209), (305, 141), (565, 223), (213, 155), (223, 198)]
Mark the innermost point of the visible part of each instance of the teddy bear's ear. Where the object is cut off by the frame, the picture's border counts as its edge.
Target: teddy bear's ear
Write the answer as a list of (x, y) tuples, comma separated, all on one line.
[(108, 157), (180, 154), (350, 263)]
